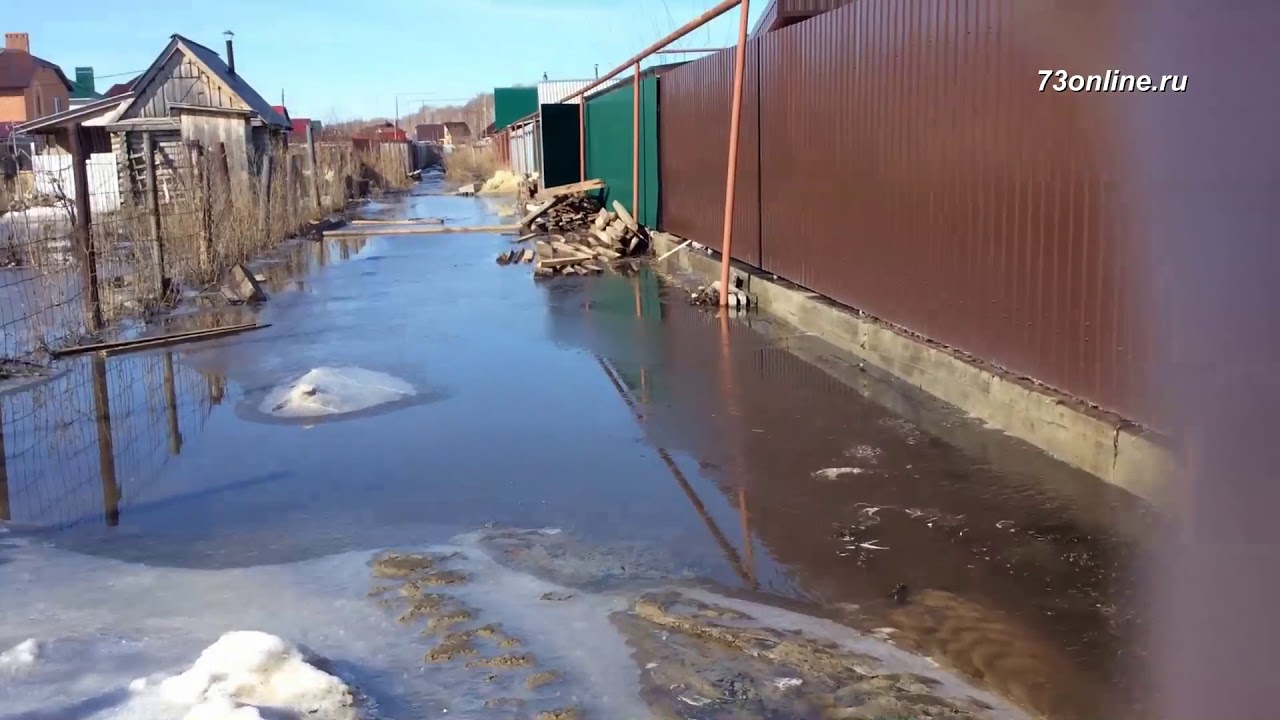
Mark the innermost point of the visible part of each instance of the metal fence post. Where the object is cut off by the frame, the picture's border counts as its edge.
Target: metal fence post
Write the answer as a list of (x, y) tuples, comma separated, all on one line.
[(84, 235), (153, 207)]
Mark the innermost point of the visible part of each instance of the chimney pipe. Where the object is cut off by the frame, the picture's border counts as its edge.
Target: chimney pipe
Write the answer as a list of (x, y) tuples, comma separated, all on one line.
[(231, 52)]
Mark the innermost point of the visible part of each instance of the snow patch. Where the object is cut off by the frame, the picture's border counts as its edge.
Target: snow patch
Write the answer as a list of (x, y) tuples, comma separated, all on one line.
[(245, 670), (334, 391), (20, 656)]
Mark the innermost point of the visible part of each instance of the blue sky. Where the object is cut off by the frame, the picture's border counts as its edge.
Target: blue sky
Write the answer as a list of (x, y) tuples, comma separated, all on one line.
[(342, 59)]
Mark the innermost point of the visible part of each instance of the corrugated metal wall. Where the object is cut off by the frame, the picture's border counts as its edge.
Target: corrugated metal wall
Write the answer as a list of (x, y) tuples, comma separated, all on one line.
[(524, 153), (693, 96), (555, 91), (909, 167), (609, 146)]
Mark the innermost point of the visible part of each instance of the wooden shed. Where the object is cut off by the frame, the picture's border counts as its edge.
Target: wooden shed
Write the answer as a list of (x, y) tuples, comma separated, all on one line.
[(190, 95)]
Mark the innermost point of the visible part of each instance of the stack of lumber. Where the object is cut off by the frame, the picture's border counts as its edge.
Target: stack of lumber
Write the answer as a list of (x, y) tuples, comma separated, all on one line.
[(567, 212)]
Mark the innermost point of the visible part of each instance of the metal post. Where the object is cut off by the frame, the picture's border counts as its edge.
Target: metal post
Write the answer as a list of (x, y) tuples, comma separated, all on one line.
[(171, 406), (311, 165), (731, 179), (635, 143), (153, 206), (84, 232), (582, 138), (106, 453)]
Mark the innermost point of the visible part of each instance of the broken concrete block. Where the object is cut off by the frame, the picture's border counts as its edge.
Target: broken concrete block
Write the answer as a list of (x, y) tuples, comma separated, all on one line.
[(246, 285)]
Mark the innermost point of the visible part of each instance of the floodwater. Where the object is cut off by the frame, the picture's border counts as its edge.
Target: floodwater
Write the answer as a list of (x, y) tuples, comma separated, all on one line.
[(765, 462)]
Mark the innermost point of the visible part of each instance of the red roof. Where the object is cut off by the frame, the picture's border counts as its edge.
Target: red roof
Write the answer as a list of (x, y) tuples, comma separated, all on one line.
[(18, 69), (281, 109), (298, 126), (120, 88)]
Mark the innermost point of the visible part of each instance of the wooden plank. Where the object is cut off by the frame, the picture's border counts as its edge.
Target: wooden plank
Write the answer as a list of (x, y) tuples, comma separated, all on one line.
[(419, 230), (535, 214), (625, 216), (562, 261), (408, 221), (139, 343), (575, 187)]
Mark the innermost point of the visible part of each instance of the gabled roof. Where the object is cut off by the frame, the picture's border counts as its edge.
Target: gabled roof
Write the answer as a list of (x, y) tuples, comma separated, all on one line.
[(284, 113), (298, 126), (18, 69), (214, 64), (97, 109)]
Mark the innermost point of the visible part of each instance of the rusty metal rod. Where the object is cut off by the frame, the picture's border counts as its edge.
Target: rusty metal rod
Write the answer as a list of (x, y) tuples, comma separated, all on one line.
[(635, 143), (681, 51), (721, 8), (731, 179)]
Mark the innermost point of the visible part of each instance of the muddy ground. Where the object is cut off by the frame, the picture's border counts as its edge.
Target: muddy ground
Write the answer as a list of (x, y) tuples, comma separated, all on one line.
[(698, 654)]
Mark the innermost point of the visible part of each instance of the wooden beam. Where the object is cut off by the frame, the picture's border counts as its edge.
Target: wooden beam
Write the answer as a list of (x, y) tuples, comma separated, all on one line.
[(145, 342), (419, 230), (407, 221), (534, 215), (584, 186), (563, 261)]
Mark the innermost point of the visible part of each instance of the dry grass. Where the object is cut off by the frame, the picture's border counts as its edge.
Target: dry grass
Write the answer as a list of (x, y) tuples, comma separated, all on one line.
[(471, 164)]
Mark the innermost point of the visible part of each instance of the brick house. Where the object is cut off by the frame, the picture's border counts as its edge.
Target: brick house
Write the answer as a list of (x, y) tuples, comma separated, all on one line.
[(30, 87)]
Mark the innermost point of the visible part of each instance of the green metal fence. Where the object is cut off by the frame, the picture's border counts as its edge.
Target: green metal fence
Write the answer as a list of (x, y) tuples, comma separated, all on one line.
[(609, 118), (512, 103)]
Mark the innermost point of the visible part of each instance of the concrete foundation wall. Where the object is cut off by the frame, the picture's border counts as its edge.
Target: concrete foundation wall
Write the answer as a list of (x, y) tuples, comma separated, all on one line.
[(1103, 445)]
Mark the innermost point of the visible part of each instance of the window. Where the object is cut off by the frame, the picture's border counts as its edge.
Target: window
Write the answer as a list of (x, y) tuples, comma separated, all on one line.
[(57, 105), (39, 104)]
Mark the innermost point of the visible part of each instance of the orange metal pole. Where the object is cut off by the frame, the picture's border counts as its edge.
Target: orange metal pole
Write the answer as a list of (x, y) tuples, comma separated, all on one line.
[(582, 139), (721, 8), (635, 143), (735, 125)]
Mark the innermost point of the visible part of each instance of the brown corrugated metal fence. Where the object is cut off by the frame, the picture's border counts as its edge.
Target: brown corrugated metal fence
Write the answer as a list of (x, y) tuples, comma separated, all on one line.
[(908, 166), (693, 147)]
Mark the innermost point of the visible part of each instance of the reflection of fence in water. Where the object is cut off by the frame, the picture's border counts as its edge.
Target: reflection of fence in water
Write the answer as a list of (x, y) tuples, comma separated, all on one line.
[(77, 446)]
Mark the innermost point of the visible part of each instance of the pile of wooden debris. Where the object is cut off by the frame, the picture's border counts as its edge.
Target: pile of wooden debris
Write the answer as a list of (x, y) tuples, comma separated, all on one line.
[(574, 235), (569, 212)]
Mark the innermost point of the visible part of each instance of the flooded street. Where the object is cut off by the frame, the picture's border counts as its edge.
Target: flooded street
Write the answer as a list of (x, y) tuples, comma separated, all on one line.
[(677, 446)]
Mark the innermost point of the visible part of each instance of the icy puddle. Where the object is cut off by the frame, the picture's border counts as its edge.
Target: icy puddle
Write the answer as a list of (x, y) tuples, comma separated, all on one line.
[(498, 624)]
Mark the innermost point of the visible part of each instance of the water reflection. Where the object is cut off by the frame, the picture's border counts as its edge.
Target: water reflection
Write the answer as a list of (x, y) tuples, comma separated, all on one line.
[(1003, 565), (74, 450), (77, 445)]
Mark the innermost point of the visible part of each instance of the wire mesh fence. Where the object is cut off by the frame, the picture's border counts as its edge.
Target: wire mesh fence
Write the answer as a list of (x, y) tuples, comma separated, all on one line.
[(166, 219), (74, 448)]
